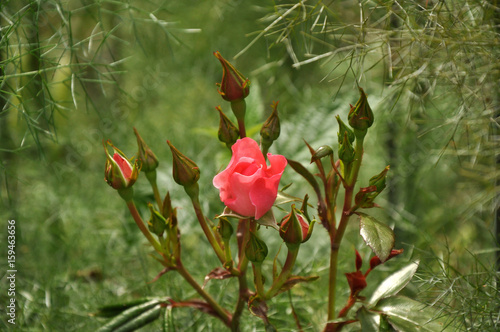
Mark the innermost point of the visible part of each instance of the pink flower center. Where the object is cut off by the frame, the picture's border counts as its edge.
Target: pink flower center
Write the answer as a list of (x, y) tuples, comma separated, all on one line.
[(124, 165)]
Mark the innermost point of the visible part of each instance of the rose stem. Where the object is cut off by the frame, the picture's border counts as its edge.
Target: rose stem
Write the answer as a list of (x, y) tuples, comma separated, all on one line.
[(293, 251), (142, 227), (151, 176), (350, 181), (223, 314), (193, 192)]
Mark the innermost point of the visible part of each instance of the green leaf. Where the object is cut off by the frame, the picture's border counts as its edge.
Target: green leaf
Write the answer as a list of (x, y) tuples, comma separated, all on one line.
[(405, 314), (284, 198), (370, 321), (129, 315), (143, 319), (297, 167), (394, 283), (112, 310), (294, 280), (377, 236), (268, 220)]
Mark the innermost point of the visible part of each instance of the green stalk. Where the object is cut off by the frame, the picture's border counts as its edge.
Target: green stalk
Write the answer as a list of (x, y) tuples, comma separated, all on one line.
[(242, 234), (291, 257), (192, 192), (337, 235), (223, 314), (259, 286), (151, 176), (239, 109), (138, 220)]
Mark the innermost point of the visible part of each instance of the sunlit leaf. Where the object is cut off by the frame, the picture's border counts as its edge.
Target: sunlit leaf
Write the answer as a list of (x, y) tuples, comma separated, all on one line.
[(377, 236), (370, 321), (405, 314), (394, 283)]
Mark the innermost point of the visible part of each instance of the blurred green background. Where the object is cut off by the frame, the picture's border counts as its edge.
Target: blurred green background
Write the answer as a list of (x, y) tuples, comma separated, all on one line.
[(75, 73)]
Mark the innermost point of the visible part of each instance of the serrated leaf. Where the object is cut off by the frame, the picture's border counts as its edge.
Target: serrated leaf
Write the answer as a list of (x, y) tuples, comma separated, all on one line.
[(378, 236), (369, 320), (129, 315), (405, 314), (394, 283)]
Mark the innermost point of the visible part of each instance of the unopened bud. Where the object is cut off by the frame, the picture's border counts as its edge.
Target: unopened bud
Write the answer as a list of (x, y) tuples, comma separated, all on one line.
[(156, 224), (271, 128), (256, 249), (321, 152), (234, 86), (184, 170), (346, 150), (361, 116), (225, 228), (145, 155), (344, 129), (228, 132), (294, 229)]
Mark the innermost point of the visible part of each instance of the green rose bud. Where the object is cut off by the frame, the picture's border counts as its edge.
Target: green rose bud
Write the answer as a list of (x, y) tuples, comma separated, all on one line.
[(321, 152), (184, 170), (156, 224), (361, 116), (228, 132), (256, 249), (344, 129), (346, 150), (225, 228), (145, 155)]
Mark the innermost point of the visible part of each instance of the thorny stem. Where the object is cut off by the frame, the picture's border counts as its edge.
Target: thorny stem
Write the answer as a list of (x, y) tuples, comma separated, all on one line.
[(223, 314), (242, 234), (336, 236), (138, 220)]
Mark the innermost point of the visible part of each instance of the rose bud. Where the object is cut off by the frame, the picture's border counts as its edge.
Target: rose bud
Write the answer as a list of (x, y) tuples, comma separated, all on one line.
[(294, 229), (361, 116), (270, 130), (145, 155), (321, 152), (119, 173), (234, 86), (256, 249), (248, 186), (344, 129), (228, 132), (184, 170), (157, 223), (379, 180), (346, 150), (225, 228), (365, 197)]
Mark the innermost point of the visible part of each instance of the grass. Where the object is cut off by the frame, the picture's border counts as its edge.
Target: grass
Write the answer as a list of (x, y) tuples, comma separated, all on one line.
[(93, 70)]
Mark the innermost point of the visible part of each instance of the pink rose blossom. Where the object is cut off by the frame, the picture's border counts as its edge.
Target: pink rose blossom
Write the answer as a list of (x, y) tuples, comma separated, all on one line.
[(248, 186)]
